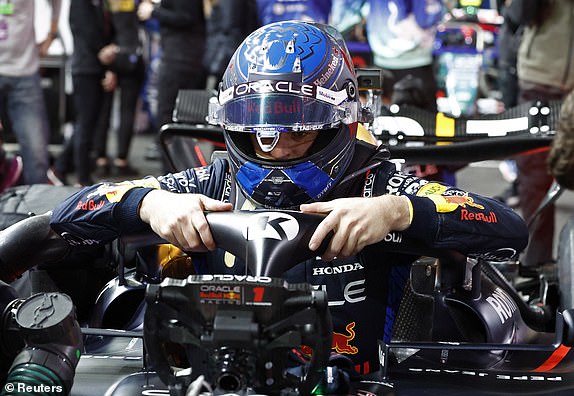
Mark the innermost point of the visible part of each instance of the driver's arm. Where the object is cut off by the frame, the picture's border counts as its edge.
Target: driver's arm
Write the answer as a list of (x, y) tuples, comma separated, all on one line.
[(100, 213), (438, 215)]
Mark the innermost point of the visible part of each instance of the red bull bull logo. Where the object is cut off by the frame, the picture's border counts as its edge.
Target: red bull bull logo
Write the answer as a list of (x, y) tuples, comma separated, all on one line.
[(450, 203), (231, 296), (462, 200), (115, 191), (341, 342)]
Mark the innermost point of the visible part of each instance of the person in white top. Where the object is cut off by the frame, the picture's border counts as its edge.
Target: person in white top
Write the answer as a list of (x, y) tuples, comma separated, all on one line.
[(20, 91)]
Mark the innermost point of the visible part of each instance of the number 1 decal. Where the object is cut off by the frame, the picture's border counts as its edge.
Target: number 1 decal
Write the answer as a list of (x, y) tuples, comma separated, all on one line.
[(258, 294)]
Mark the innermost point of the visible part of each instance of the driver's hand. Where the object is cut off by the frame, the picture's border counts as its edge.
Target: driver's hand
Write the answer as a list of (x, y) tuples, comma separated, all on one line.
[(357, 222), (180, 218)]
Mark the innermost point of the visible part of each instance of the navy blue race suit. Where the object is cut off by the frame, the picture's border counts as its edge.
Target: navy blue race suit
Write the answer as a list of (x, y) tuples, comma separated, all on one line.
[(364, 290)]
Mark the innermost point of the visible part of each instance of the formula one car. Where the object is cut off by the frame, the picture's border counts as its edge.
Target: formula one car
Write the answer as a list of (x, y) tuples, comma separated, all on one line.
[(234, 334), (464, 326)]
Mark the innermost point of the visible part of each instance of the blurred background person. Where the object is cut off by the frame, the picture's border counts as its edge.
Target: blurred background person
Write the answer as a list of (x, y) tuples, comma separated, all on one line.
[(182, 41), (545, 72), (284, 10), (228, 22), (509, 38), (561, 156), (401, 34), (91, 31), (147, 119), (508, 42), (21, 96), (124, 57)]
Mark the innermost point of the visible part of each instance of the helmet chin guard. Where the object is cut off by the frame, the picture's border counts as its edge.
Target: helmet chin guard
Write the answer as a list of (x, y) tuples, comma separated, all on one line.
[(288, 184), (287, 77)]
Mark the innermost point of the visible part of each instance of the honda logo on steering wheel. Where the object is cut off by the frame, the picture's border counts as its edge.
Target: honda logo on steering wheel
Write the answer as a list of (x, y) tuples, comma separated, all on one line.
[(271, 225)]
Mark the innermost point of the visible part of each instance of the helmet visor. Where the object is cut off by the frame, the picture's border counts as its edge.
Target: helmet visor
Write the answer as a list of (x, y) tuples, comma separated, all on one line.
[(280, 113)]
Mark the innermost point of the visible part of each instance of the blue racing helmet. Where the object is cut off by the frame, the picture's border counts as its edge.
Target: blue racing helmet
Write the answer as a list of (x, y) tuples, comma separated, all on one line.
[(289, 77)]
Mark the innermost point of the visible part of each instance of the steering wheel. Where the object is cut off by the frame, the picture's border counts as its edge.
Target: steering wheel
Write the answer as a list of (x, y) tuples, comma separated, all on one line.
[(240, 331)]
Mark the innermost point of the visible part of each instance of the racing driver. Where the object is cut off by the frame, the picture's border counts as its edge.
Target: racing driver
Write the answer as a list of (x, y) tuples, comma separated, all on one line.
[(288, 104)]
